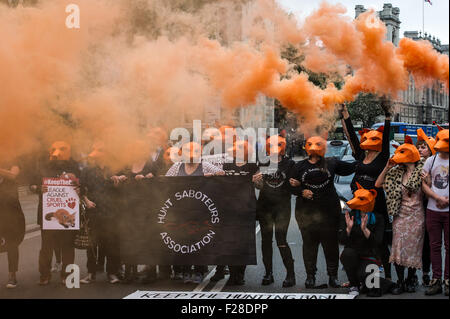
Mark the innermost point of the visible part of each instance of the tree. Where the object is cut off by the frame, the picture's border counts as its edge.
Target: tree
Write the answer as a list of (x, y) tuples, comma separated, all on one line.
[(366, 108)]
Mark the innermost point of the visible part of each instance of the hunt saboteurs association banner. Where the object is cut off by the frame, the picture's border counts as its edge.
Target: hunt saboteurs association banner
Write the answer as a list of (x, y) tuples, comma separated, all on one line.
[(189, 220)]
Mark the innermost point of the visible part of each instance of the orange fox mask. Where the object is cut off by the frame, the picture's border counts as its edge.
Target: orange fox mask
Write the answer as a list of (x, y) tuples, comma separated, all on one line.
[(60, 151), (406, 153), (363, 199), (441, 141), (421, 136), (372, 140), (316, 145), (276, 145), (240, 151)]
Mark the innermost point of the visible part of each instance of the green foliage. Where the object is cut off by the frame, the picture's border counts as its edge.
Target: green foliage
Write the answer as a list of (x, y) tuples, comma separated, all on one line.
[(366, 108)]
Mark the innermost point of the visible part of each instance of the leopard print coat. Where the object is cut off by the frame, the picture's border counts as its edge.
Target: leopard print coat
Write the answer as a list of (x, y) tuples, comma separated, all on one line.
[(393, 186)]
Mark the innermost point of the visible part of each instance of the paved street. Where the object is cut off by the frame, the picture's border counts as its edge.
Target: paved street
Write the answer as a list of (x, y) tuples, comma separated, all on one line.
[(29, 276)]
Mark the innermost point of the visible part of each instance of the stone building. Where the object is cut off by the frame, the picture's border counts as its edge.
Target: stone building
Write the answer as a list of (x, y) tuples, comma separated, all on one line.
[(416, 105)]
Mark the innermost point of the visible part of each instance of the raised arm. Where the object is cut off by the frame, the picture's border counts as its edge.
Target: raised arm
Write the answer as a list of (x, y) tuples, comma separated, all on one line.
[(351, 135)]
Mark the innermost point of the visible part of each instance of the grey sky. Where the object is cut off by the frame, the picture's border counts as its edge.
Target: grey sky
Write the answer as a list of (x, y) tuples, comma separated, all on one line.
[(436, 15)]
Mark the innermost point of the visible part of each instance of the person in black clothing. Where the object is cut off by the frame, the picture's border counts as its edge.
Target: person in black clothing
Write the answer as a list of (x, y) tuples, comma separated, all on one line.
[(102, 200), (60, 164), (318, 208), (273, 208), (12, 220), (239, 167), (361, 232), (372, 154)]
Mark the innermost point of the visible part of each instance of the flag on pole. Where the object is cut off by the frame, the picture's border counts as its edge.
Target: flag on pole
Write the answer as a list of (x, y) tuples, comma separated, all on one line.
[(429, 1)]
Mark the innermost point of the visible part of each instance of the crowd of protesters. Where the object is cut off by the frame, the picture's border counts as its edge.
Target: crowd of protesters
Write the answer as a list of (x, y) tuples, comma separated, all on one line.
[(407, 193)]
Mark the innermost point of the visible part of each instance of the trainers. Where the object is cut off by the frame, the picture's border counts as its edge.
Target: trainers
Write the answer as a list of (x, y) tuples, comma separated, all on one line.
[(88, 279), (354, 291), (435, 288), (197, 278), (333, 282), (187, 278), (113, 279), (12, 283)]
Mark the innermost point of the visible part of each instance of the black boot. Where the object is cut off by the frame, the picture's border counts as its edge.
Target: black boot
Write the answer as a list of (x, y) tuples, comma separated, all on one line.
[(333, 282), (290, 274), (426, 280), (446, 287), (399, 288), (435, 288), (412, 284), (310, 282), (268, 279)]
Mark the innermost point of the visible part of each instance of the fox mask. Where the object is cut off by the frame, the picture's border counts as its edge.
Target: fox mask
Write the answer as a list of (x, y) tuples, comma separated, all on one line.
[(406, 153), (372, 140), (316, 145), (363, 199), (60, 151), (276, 145), (421, 136), (441, 141)]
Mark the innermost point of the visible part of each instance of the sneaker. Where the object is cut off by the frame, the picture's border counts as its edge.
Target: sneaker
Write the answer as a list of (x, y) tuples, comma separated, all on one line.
[(88, 279), (197, 278), (113, 279), (187, 278), (354, 291), (435, 288), (12, 283), (178, 276), (44, 280)]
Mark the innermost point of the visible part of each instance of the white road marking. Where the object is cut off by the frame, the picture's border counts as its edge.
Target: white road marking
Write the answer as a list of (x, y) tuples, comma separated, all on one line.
[(32, 235)]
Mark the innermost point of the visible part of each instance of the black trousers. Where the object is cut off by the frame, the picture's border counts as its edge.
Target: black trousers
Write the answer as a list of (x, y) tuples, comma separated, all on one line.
[(104, 234), (315, 235), (56, 239), (277, 218), (13, 258), (355, 267)]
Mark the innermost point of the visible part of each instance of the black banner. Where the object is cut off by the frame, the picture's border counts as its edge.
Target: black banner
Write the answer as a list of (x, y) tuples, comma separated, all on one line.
[(189, 220)]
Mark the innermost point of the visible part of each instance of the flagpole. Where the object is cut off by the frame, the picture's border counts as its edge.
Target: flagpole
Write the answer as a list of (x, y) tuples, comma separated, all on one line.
[(423, 18)]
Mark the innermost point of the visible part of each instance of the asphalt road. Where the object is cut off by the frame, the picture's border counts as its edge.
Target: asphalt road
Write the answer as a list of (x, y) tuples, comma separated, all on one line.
[(101, 289)]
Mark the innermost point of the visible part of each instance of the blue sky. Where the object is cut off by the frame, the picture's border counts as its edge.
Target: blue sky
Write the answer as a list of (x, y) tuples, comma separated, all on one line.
[(436, 15)]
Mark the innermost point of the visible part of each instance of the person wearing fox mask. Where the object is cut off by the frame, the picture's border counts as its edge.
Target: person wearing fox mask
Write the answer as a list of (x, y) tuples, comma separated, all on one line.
[(273, 209), (402, 181), (425, 145), (241, 152), (371, 154), (12, 220), (191, 164), (101, 201), (435, 186), (57, 164), (318, 207), (361, 232)]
